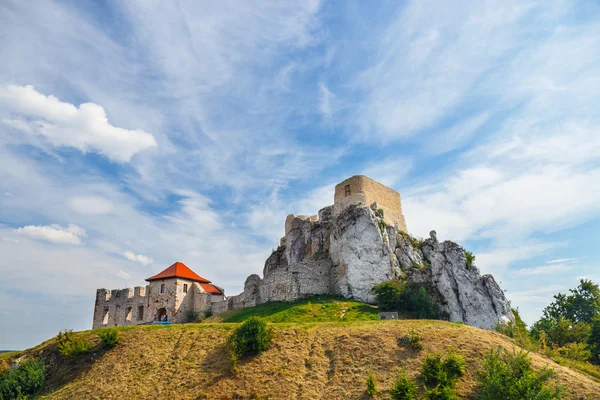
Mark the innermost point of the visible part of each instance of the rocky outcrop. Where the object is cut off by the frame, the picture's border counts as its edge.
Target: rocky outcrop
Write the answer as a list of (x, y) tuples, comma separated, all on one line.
[(349, 253)]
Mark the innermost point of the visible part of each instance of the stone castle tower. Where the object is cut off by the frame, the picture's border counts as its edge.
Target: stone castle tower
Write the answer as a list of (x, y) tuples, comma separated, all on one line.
[(360, 189)]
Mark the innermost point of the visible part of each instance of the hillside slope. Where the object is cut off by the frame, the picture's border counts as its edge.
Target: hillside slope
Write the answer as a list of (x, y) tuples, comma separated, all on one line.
[(306, 361)]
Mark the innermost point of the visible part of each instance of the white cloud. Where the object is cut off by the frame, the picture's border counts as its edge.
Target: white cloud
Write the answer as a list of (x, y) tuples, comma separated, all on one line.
[(140, 258), (54, 233), (545, 270), (90, 205), (85, 127), (325, 100), (123, 274)]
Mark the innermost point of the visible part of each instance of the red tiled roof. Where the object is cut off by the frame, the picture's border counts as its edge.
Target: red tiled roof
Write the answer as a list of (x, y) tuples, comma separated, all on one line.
[(210, 288), (178, 270)]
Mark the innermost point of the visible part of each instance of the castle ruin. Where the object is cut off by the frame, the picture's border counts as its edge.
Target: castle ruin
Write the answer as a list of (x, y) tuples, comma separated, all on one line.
[(169, 296)]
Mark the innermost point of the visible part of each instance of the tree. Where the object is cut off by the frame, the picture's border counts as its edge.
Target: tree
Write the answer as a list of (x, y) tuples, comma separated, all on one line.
[(582, 305)]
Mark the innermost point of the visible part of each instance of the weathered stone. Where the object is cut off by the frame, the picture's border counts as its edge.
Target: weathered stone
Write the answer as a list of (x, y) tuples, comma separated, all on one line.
[(355, 250)]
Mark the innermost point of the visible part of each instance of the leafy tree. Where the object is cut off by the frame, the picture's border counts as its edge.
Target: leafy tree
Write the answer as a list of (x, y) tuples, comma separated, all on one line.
[(388, 294), (581, 305), (562, 331), (401, 296), (594, 340)]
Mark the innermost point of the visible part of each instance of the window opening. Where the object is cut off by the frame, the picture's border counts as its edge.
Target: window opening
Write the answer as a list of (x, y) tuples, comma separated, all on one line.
[(347, 190), (185, 288), (162, 288), (140, 315)]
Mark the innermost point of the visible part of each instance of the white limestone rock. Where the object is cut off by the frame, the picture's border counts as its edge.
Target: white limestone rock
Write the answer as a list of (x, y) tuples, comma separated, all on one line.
[(463, 295), (350, 253), (359, 253)]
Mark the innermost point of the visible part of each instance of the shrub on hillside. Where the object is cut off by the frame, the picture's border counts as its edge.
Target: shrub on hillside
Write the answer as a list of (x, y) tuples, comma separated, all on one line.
[(251, 337), (441, 393), (404, 388), (510, 376), (442, 371), (518, 331), (70, 345), (109, 337), (20, 382), (371, 385)]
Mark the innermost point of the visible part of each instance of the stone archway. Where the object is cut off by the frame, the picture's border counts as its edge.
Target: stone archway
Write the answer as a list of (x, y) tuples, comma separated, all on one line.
[(161, 315)]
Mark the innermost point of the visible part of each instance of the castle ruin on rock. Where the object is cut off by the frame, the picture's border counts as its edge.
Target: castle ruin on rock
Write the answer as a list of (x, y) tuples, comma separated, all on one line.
[(361, 241), (168, 296), (346, 249)]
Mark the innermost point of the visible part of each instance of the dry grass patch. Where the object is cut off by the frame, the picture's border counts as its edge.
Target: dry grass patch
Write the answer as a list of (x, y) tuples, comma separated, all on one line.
[(305, 361)]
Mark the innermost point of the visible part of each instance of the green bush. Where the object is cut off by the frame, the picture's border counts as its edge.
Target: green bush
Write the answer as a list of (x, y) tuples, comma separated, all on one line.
[(575, 351), (371, 385), (404, 388), (420, 304), (441, 393), (510, 376), (414, 340), (70, 345), (251, 337), (518, 331), (27, 379), (470, 258), (388, 294), (396, 295), (442, 371), (109, 337)]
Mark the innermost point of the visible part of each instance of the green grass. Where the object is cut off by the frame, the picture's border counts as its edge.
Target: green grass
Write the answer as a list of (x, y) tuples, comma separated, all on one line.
[(585, 367), (314, 309)]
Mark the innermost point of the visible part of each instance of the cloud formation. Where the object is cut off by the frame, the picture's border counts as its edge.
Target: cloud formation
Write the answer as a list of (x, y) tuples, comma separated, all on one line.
[(54, 233), (139, 258), (85, 127)]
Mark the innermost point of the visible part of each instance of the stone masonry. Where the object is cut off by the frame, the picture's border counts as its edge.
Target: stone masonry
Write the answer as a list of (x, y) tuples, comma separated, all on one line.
[(170, 296)]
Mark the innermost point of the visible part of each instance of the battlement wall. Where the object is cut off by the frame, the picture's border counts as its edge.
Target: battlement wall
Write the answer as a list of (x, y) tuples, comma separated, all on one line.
[(119, 307)]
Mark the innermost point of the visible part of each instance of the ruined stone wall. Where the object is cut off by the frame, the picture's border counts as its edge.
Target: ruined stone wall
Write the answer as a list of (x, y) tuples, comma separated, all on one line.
[(366, 191), (120, 307), (140, 305)]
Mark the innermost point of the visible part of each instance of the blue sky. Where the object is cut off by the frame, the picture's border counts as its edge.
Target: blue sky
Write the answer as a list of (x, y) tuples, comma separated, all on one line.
[(138, 133)]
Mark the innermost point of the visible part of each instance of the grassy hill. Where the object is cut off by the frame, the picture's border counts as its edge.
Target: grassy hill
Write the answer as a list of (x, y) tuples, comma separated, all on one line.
[(308, 359)]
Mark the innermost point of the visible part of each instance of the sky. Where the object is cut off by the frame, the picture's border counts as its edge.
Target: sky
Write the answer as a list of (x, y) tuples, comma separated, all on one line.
[(137, 133)]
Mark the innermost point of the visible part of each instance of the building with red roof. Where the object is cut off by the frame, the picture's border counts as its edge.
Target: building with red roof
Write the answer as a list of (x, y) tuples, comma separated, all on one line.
[(176, 294)]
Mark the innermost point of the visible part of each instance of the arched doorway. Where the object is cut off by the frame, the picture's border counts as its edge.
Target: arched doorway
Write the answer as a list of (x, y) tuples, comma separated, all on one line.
[(161, 315)]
